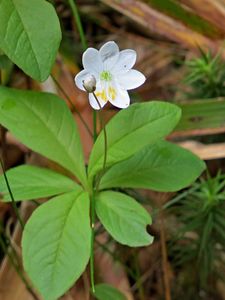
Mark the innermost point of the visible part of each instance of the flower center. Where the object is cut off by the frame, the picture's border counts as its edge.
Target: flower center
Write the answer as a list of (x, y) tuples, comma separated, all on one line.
[(106, 76)]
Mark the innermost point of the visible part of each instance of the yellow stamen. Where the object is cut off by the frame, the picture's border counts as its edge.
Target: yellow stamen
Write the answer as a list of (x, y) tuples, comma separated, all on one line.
[(112, 92), (102, 95)]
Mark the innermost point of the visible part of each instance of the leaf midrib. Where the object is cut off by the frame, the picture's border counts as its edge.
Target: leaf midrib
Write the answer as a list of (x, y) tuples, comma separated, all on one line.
[(60, 238), (63, 147)]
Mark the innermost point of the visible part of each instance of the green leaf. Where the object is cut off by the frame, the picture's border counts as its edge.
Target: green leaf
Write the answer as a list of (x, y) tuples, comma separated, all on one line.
[(30, 35), (105, 291), (56, 244), (29, 182), (43, 122), (163, 167), (124, 218), (132, 129)]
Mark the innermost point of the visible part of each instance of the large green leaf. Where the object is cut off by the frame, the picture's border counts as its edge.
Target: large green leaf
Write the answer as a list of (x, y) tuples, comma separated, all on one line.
[(107, 292), (29, 182), (124, 218), (43, 122), (56, 243), (132, 129), (30, 35), (163, 167)]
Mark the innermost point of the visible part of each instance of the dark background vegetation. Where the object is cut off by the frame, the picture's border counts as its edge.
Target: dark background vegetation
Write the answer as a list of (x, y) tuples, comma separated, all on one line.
[(180, 47)]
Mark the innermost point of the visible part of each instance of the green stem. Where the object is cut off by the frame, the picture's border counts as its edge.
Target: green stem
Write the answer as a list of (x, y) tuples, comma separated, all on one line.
[(13, 258), (78, 22), (105, 143), (93, 216), (84, 46), (71, 103), (92, 267), (76, 15), (94, 125), (11, 195)]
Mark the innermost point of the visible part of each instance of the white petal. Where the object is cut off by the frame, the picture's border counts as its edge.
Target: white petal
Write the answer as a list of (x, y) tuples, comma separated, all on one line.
[(94, 103), (101, 95), (130, 80), (118, 97), (126, 61), (91, 61), (109, 54), (80, 77)]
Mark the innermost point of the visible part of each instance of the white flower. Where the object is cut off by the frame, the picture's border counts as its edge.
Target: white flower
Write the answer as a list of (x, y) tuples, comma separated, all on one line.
[(113, 72)]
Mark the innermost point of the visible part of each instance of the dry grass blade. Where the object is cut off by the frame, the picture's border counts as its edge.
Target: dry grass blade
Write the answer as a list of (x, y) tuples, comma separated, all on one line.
[(211, 10), (205, 152), (201, 117), (164, 25)]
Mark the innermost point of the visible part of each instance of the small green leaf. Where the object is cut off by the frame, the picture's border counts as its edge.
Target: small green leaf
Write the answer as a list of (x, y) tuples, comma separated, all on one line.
[(163, 167), (43, 122), (56, 243), (30, 35), (29, 182), (132, 129), (124, 218), (107, 292)]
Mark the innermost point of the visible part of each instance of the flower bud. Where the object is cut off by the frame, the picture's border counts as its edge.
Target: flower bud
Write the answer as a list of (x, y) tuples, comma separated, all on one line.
[(89, 83)]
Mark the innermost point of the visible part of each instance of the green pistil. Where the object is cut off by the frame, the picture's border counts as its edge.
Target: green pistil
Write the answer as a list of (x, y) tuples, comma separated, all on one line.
[(106, 76)]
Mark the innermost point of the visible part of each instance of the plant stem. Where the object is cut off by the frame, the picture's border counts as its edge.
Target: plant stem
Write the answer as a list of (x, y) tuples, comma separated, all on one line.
[(94, 115), (93, 216), (13, 258), (94, 135), (76, 15), (92, 267), (11, 195), (105, 135), (71, 103), (77, 19), (105, 140)]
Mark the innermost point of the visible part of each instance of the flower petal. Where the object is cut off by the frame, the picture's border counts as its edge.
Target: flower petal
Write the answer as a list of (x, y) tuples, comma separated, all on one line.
[(109, 54), (80, 77), (126, 61), (118, 97), (101, 95), (91, 61), (94, 103), (130, 80)]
